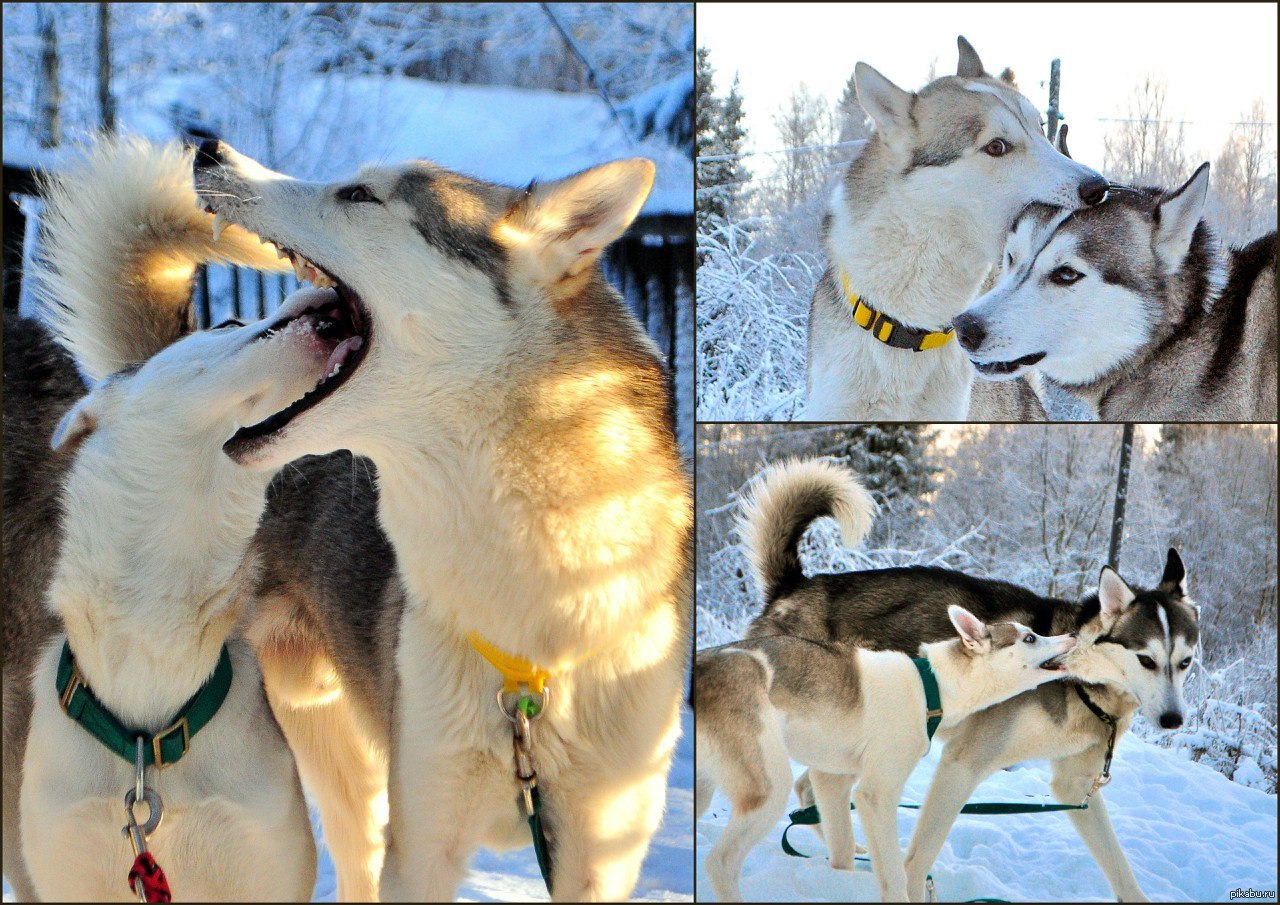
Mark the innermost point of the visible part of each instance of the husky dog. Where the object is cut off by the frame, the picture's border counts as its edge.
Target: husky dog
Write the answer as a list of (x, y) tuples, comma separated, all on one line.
[(150, 576), (915, 226), (531, 488), (848, 714), (1134, 308), (1133, 653)]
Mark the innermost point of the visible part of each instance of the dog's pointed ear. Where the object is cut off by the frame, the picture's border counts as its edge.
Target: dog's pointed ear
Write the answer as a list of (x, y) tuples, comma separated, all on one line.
[(973, 632), (1174, 579), (76, 425), (888, 105), (1114, 595), (970, 66), (558, 229), (1062, 141), (1177, 217)]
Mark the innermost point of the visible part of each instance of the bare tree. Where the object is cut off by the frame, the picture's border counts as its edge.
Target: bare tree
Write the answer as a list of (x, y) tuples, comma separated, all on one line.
[(805, 121), (1146, 149), (1244, 178)]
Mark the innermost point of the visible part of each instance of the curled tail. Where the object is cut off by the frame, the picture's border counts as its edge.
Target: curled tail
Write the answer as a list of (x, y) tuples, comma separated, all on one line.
[(122, 238), (788, 498)]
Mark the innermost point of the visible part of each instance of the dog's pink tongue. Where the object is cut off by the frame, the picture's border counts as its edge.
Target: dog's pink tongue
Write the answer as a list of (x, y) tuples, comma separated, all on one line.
[(339, 355)]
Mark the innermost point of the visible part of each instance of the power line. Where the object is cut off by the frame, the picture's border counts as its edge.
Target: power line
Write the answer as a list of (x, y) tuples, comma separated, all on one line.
[(801, 149), (591, 72)]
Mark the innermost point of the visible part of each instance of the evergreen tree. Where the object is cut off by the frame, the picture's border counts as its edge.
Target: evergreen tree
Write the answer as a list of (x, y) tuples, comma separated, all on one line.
[(853, 120), (889, 458), (719, 132)]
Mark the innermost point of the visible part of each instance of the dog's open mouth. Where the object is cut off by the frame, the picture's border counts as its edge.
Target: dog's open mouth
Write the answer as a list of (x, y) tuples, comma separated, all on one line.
[(999, 368), (1056, 663), (337, 317)]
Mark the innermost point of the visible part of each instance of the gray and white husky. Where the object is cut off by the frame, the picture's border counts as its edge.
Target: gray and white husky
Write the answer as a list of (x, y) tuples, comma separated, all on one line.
[(1134, 649), (849, 714), (916, 224), (141, 544), (1134, 308)]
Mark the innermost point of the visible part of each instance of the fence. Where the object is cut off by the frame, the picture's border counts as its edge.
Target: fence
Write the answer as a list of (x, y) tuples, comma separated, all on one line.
[(653, 266)]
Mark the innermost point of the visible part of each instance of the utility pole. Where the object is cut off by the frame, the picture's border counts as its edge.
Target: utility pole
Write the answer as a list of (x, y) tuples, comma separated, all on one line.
[(1122, 496), (1055, 115), (106, 106), (50, 129)]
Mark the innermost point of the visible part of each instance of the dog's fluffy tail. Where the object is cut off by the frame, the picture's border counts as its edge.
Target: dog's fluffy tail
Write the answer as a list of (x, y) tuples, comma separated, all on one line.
[(122, 239), (785, 502)]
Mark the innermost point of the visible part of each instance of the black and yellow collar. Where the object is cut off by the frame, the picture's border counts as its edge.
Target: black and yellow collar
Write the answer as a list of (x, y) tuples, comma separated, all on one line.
[(889, 331)]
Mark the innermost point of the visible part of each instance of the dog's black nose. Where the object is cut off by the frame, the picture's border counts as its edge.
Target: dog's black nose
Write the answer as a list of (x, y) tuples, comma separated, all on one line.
[(970, 331), (1170, 720), (1093, 190), (209, 154)]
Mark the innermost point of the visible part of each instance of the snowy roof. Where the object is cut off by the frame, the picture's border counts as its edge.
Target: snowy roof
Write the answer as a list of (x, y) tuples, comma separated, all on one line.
[(501, 134)]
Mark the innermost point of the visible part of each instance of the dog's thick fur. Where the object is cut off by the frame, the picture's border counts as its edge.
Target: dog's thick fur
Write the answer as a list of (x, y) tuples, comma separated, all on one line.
[(848, 714), (916, 224), (150, 522), (902, 608), (1159, 322), (530, 485)]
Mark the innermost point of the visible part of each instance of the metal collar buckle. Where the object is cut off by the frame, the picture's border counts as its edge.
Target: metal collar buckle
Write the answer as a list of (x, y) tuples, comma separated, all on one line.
[(180, 726)]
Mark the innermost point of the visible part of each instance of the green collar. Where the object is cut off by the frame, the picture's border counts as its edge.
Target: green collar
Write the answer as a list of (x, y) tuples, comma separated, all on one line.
[(165, 747), (932, 698)]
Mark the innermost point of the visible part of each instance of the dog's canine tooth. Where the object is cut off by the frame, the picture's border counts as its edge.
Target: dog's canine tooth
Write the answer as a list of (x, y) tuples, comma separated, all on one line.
[(220, 223), (280, 253)]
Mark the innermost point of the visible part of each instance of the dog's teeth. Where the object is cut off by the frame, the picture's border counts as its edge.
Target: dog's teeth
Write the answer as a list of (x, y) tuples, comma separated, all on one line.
[(219, 224), (299, 269), (321, 281), (280, 253)]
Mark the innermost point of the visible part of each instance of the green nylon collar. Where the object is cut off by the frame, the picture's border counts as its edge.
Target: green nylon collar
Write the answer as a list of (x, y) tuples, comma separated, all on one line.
[(165, 747), (932, 698)]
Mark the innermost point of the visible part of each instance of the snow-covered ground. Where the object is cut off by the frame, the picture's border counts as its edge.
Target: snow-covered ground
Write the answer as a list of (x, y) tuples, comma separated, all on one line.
[(513, 876), (1190, 835)]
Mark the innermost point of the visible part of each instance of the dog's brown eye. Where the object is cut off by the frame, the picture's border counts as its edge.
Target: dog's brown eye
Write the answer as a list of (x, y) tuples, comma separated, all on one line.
[(1065, 276), (997, 147), (1147, 662), (357, 194)]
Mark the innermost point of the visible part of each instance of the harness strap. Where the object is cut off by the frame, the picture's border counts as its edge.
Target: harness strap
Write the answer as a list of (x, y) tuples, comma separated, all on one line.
[(162, 748), (892, 332), (932, 697)]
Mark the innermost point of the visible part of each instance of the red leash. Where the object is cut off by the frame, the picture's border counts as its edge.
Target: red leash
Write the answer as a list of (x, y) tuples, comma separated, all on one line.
[(155, 888)]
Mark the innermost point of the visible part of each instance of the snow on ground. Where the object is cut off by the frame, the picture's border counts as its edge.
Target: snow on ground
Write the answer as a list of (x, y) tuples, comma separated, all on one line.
[(513, 876), (1190, 834)]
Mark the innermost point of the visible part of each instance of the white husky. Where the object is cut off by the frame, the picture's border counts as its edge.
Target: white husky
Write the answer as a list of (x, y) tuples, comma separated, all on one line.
[(153, 576), (916, 224), (531, 486), (845, 712)]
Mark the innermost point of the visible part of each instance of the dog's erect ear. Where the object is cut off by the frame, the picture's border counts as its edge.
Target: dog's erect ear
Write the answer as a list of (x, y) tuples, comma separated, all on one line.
[(560, 228), (969, 67), (1177, 216), (1062, 141), (973, 632), (888, 105), (1113, 595), (1174, 579), (76, 425)]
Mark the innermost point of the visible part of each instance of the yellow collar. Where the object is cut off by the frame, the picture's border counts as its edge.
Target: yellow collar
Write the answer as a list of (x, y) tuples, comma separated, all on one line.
[(889, 331), (517, 671)]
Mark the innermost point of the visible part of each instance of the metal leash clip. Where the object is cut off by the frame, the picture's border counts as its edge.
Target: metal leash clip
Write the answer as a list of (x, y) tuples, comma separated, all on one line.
[(137, 834)]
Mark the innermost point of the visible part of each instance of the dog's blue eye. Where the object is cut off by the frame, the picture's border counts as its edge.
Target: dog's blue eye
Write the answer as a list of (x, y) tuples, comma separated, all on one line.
[(997, 147), (1029, 638), (357, 194), (1065, 276), (1008, 260), (1185, 663)]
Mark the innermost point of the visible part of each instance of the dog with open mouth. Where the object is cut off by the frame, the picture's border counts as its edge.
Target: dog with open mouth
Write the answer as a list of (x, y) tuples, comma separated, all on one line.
[(520, 422), (143, 560)]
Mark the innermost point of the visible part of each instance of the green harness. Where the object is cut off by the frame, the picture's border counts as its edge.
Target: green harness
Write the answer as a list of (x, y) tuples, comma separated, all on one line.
[(162, 748)]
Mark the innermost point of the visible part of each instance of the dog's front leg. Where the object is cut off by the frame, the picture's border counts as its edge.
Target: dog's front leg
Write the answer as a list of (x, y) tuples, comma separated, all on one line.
[(442, 804), (953, 783), (1072, 777), (831, 794)]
